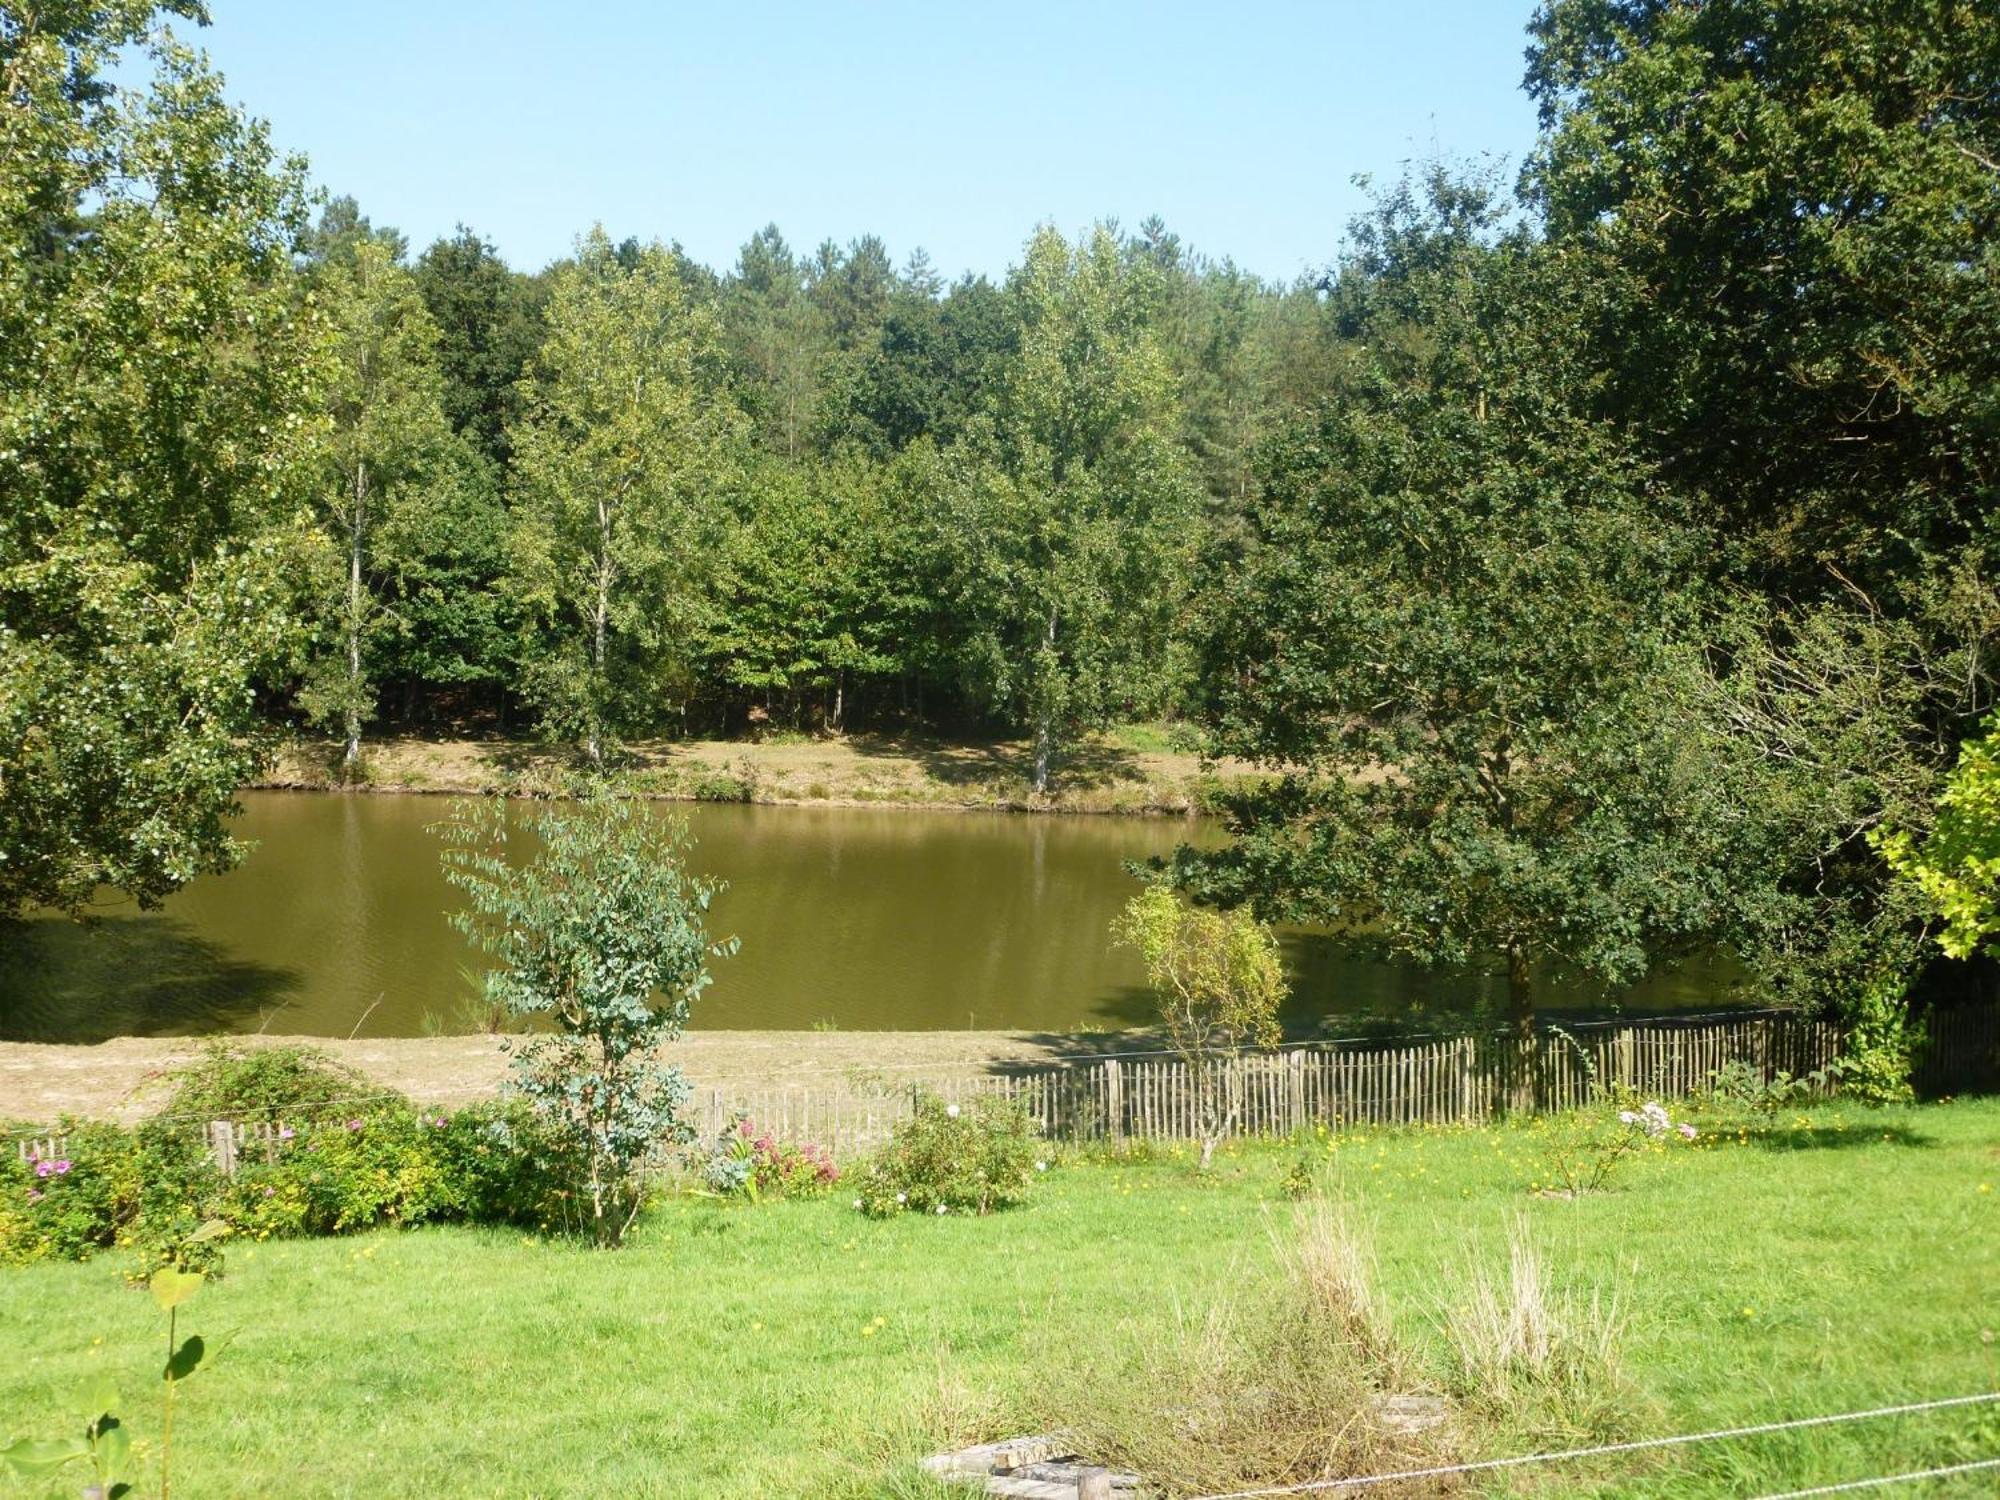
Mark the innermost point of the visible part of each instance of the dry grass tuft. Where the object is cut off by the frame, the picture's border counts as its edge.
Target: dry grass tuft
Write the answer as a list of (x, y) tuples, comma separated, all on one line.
[(1532, 1360), (1281, 1383)]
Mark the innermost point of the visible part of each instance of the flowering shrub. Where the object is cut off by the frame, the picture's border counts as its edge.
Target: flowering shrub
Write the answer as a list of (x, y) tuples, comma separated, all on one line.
[(63, 1206), (1588, 1146), (746, 1162), (152, 1188), (949, 1159)]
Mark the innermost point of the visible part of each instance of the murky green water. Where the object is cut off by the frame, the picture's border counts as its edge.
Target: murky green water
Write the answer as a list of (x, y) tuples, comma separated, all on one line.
[(855, 918)]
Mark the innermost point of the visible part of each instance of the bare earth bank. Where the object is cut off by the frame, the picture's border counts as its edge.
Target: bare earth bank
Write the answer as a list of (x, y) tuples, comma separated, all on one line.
[(122, 1079), (1132, 771)]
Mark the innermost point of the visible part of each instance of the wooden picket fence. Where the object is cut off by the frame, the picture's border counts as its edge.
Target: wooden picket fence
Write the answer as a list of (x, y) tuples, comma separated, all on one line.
[(1451, 1080), (1456, 1080)]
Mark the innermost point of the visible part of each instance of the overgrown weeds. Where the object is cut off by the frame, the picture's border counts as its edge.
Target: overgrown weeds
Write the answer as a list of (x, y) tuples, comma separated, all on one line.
[(1525, 1358), (1304, 1375)]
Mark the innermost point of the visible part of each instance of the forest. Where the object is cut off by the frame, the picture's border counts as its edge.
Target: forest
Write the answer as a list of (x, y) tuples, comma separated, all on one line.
[(1598, 553)]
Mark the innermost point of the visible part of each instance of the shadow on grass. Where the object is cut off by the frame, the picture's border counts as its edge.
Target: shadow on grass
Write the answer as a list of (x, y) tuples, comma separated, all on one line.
[(1842, 1137), (141, 975), (1090, 766)]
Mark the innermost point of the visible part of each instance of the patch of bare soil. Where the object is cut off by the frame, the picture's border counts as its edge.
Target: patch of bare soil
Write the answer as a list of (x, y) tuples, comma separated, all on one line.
[(125, 1078), (1108, 774)]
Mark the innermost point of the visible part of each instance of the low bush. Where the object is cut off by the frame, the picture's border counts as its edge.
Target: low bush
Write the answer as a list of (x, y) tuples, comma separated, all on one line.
[(270, 1086), (1297, 1378), (150, 1189), (748, 1163), (67, 1203), (948, 1158), (1533, 1360)]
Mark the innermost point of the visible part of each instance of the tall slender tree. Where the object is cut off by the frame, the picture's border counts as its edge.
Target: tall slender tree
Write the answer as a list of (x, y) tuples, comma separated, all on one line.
[(389, 441), (622, 461), (1067, 507)]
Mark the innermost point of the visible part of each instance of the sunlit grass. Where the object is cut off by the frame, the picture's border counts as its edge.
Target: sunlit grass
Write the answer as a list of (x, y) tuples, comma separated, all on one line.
[(1841, 1259)]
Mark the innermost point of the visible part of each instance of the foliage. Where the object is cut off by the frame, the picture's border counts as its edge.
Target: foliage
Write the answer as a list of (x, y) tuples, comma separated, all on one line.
[(288, 1084), (1957, 865), (949, 1158), (621, 462), (1066, 508), (1219, 979), (745, 1162), (1448, 630), (1876, 1052), (388, 449), (69, 1203), (1585, 1148), (1742, 1085), (156, 385), (601, 932)]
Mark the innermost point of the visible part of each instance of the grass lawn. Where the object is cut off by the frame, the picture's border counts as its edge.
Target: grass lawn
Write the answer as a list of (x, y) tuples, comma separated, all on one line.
[(797, 1349)]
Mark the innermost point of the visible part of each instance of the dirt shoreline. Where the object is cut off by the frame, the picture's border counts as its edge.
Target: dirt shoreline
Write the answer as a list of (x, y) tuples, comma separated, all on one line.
[(123, 1079), (1131, 772)]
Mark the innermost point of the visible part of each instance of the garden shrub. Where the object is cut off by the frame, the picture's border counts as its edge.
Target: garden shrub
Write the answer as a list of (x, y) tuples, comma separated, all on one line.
[(152, 1189), (948, 1158), (287, 1085), (746, 1162), (65, 1205)]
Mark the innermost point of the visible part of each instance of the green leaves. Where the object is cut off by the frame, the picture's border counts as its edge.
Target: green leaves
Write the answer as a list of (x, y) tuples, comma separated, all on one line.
[(171, 1287), (38, 1458)]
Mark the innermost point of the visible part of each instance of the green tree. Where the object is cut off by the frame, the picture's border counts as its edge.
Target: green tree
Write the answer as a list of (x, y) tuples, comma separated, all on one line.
[(156, 381), (622, 460), (1449, 633), (489, 322), (1067, 510), (601, 934), (1791, 212), (1220, 980), (1957, 864), (388, 445)]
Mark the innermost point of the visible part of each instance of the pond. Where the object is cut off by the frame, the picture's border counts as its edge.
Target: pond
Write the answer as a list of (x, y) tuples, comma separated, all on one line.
[(855, 918)]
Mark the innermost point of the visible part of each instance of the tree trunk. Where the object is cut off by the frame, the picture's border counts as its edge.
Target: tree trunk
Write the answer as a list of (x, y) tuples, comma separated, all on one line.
[(1045, 727), (352, 755), (1521, 1008), (600, 630)]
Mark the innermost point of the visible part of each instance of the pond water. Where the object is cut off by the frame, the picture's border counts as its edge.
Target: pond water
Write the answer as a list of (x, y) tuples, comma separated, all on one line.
[(861, 919)]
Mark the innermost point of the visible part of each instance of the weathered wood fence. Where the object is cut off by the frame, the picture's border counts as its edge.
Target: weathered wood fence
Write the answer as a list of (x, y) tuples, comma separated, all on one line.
[(1457, 1080), (1454, 1080)]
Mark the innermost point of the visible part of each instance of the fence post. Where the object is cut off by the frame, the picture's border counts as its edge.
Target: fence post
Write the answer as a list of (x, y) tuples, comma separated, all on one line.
[(222, 1142), (1114, 1100)]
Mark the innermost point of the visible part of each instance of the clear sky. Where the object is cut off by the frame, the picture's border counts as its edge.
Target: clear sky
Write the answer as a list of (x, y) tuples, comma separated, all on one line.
[(952, 126)]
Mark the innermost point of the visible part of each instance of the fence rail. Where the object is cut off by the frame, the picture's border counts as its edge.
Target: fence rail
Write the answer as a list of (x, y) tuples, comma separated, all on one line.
[(1457, 1080)]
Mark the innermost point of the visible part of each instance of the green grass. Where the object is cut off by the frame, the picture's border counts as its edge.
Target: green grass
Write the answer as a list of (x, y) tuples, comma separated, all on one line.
[(796, 1349)]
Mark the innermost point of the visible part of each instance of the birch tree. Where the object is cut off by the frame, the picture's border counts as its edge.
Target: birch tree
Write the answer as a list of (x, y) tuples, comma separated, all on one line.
[(1064, 508), (621, 459), (389, 442)]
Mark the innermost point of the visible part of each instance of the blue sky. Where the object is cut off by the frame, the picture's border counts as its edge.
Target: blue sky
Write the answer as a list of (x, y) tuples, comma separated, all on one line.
[(954, 127)]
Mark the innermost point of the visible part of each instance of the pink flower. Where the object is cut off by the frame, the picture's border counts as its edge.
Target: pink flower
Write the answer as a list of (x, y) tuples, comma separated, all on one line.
[(287, 1133), (1688, 1132), (353, 1124)]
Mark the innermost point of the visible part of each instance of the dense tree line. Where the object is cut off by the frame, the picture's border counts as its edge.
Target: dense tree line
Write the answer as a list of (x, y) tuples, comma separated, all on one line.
[(1601, 561), (625, 496)]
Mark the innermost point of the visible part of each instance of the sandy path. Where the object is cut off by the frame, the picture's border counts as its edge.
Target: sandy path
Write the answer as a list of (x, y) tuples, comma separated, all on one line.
[(121, 1079)]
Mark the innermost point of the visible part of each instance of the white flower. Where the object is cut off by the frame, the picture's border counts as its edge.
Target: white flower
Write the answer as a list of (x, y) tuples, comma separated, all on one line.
[(1626, 1117), (941, 1208), (1041, 1166), (857, 1203), (902, 1197), (951, 1111)]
